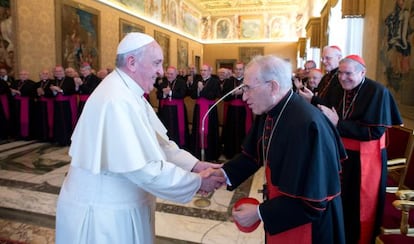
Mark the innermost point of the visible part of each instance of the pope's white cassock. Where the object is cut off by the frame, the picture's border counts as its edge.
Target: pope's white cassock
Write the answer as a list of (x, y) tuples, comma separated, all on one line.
[(121, 160)]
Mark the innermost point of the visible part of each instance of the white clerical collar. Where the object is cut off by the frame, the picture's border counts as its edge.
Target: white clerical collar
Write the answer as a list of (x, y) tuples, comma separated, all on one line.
[(130, 83)]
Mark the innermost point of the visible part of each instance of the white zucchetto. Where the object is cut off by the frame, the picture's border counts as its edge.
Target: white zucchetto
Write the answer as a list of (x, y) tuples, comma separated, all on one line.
[(133, 41)]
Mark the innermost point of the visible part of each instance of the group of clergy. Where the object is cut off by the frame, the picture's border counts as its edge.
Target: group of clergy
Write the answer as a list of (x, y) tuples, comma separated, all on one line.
[(361, 110), (46, 110), (205, 140)]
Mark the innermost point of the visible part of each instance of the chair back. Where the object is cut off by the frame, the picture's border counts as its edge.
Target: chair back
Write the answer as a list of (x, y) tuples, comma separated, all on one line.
[(399, 142), (407, 179)]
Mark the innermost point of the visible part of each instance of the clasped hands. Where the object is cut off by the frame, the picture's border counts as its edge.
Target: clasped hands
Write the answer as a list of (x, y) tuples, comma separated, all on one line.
[(330, 113), (211, 175), (213, 178)]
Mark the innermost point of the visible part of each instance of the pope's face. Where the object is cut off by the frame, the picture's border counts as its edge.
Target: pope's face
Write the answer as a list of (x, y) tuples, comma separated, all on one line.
[(149, 67), (349, 76)]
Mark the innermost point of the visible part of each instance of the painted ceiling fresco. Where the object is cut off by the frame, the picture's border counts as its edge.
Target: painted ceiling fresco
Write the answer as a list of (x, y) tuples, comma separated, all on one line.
[(226, 21)]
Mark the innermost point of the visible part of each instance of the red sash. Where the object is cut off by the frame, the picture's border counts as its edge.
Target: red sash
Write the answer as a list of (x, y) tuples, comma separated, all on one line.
[(72, 99), (83, 97), (203, 104), (49, 108), (5, 104), (371, 166), (179, 103), (24, 115), (299, 235)]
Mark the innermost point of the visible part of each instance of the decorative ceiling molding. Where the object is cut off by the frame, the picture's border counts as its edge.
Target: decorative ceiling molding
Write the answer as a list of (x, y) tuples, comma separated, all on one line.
[(226, 21), (220, 7)]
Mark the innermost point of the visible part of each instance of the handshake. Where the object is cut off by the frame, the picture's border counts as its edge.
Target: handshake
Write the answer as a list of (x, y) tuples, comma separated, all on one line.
[(212, 177)]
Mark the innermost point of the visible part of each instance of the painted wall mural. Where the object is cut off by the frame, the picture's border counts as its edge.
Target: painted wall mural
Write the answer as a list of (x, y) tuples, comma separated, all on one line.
[(79, 35), (6, 37), (190, 20), (181, 15), (126, 27), (223, 28), (395, 54)]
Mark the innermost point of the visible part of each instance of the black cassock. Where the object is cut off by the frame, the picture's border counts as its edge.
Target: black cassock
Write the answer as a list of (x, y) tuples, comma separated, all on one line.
[(364, 115), (172, 111), (303, 166), (237, 119), (22, 109), (204, 100), (65, 111)]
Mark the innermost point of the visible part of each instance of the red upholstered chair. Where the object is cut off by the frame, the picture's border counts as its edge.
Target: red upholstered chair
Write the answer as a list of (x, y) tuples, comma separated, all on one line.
[(397, 139), (400, 143), (406, 234), (396, 220)]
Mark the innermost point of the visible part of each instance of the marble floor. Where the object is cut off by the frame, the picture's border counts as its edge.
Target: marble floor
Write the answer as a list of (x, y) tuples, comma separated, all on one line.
[(31, 174)]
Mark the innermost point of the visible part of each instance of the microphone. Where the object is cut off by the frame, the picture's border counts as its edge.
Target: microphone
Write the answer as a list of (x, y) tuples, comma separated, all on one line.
[(205, 116)]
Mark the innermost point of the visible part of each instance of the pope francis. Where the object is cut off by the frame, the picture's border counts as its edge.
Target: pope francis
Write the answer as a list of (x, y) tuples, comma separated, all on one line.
[(122, 158)]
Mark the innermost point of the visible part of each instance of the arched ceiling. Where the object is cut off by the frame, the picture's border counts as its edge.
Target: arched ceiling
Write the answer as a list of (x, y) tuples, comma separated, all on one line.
[(272, 20), (227, 20), (225, 7)]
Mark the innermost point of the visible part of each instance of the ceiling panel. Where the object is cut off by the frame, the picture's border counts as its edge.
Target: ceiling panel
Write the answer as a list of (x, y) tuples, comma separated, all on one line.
[(220, 7)]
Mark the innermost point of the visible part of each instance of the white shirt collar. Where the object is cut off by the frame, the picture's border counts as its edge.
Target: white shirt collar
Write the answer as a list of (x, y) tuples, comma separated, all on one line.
[(130, 83)]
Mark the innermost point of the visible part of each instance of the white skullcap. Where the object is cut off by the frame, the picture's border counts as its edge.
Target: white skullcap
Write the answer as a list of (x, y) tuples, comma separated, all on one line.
[(133, 41)]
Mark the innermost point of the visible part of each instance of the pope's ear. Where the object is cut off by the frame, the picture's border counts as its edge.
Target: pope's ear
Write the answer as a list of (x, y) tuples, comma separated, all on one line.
[(130, 63)]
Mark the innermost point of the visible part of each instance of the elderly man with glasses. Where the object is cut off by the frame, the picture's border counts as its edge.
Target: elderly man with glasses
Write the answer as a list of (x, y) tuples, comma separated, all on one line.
[(331, 55), (300, 151), (362, 115)]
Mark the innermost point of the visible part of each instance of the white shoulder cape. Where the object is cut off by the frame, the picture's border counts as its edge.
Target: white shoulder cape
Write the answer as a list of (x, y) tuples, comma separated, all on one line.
[(118, 130)]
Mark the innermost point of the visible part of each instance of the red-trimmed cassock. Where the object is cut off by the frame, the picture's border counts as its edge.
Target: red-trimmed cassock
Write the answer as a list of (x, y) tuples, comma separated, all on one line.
[(65, 111), (22, 109), (90, 82), (362, 126), (204, 99), (172, 111), (5, 96), (302, 170), (44, 110), (237, 119)]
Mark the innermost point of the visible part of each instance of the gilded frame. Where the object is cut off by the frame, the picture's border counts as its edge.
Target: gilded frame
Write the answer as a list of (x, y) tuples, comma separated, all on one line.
[(126, 27), (78, 38), (164, 41), (197, 63), (247, 53), (182, 54), (225, 63)]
